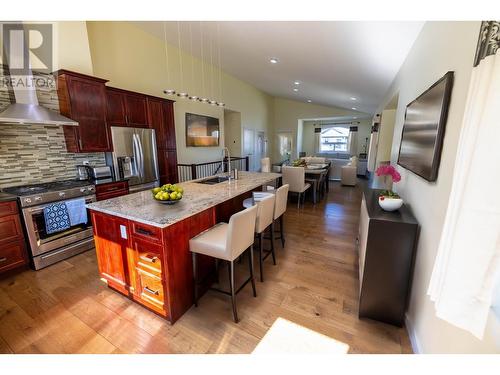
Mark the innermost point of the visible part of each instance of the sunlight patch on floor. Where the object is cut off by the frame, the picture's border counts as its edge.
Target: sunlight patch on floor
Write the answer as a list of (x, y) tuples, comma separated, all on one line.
[(286, 337)]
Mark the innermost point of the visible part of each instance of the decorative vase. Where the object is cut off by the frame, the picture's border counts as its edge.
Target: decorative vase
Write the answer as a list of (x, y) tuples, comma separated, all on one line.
[(389, 203)]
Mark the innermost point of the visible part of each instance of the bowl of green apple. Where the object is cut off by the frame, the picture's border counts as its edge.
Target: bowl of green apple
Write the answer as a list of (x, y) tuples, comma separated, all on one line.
[(168, 194)]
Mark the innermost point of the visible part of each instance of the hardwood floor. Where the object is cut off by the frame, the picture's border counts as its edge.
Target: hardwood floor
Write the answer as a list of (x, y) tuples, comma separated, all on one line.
[(66, 308)]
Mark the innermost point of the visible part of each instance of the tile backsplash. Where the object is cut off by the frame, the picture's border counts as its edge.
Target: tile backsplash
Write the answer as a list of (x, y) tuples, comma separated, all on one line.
[(37, 153)]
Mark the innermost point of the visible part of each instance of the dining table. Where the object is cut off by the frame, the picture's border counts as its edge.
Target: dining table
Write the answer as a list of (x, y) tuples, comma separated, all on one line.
[(316, 174)]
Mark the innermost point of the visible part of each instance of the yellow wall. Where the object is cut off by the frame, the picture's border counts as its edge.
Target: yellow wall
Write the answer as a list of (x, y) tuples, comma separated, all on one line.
[(440, 47), (135, 60), (71, 47), (287, 114)]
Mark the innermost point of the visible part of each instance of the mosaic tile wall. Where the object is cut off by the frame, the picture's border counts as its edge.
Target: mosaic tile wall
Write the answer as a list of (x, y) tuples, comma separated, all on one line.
[(37, 153)]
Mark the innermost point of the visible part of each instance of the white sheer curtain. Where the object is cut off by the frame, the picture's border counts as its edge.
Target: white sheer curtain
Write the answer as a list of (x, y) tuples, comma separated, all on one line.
[(353, 141), (468, 258), (317, 140)]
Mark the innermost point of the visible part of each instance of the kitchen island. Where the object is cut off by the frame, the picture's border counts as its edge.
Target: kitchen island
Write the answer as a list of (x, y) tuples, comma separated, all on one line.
[(142, 245)]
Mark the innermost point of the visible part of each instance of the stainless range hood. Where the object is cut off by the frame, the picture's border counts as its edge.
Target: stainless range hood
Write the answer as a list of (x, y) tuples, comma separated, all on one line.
[(26, 109)]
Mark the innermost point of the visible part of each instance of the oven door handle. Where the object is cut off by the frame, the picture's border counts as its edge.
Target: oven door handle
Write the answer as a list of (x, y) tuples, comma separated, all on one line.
[(39, 209)]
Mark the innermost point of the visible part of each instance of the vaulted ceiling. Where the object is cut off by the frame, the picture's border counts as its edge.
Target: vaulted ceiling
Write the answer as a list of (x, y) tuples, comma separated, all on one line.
[(342, 64)]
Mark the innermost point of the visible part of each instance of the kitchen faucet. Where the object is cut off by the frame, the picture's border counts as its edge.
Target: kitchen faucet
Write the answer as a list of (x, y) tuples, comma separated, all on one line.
[(224, 150)]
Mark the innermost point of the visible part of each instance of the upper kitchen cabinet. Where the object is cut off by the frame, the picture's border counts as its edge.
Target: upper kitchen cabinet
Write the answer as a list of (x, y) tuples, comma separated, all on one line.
[(126, 108), (83, 99), (161, 118)]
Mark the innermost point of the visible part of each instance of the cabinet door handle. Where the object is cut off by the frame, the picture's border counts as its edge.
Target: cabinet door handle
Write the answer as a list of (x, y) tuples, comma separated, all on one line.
[(148, 259), (149, 290), (3, 259), (144, 231)]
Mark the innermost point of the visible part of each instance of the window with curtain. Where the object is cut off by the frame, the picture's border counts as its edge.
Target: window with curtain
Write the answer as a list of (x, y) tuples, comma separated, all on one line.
[(334, 139)]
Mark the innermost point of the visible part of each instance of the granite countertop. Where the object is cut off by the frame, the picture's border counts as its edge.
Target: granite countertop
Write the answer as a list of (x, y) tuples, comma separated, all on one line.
[(142, 207), (5, 197)]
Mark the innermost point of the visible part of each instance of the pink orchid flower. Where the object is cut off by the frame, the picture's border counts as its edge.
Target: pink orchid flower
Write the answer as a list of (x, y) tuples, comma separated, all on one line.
[(388, 170)]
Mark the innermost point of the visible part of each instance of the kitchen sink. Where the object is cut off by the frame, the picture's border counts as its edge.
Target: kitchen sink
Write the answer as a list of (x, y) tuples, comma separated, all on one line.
[(214, 180)]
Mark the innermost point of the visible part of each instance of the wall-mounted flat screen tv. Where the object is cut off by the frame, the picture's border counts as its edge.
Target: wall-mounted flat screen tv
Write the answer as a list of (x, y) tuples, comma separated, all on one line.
[(202, 131), (423, 130)]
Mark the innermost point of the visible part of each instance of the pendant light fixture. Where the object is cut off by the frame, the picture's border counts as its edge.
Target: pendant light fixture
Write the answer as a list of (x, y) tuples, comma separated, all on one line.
[(168, 91), (193, 97), (182, 93), (220, 103), (203, 97), (211, 101)]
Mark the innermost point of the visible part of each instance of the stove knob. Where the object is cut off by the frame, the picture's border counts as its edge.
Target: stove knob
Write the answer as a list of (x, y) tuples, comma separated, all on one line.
[(62, 194), (83, 190), (37, 199), (91, 188), (27, 200)]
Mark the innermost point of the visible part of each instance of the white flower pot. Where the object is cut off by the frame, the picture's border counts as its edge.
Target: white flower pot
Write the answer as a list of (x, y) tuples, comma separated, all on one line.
[(390, 204)]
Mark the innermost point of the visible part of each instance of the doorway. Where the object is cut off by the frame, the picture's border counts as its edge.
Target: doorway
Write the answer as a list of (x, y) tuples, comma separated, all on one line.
[(260, 148), (249, 147)]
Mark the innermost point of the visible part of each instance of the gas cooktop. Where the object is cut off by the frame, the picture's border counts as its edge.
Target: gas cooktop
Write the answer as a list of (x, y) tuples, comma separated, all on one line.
[(46, 187), (37, 194)]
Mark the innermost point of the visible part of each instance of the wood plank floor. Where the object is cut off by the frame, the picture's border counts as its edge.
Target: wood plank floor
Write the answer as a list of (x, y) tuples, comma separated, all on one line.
[(66, 308)]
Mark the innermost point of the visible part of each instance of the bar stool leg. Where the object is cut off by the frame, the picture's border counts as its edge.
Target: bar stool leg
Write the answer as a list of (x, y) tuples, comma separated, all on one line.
[(217, 270), (272, 243), (261, 256), (195, 275), (282, 232), (298, 201), (250, 263), (233, 294)]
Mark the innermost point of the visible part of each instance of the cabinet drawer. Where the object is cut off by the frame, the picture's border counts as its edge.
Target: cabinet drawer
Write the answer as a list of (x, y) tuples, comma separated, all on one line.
[(8, 208), (149, 256), (146, 232), (12, 255), (111, 190), (151, 287), (111, 187), (10, 229)]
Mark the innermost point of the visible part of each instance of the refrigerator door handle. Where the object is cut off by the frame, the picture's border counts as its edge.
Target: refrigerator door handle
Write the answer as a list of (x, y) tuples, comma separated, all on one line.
[(137, 156), (141, 153)]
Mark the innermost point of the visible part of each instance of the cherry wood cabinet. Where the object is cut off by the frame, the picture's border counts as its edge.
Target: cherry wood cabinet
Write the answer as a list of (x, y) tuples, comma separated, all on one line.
[(12, 244), (152, 265), (126, 108), (161, 118), (167, 164), (112, 249), (83, 99), (111, 190)]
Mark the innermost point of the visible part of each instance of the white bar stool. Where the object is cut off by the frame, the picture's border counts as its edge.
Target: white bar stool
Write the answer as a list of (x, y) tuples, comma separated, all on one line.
[(264, 221), (279, 210), (227, 242)]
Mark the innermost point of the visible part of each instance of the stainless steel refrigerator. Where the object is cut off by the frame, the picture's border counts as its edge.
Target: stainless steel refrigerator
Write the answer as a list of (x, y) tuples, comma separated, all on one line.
[(134, 157)]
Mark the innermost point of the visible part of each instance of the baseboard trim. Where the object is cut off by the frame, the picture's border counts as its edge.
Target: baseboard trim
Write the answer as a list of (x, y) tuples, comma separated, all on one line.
[(412, 334)]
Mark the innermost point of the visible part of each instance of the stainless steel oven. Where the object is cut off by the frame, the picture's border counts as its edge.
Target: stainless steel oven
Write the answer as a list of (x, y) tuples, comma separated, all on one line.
[(49, 248)]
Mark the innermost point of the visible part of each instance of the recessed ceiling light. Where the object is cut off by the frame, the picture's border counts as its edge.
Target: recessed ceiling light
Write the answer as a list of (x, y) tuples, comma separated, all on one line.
[(273, 60), (353, 108), (309, 100), (295, 89), (353, 98), (296, 83)]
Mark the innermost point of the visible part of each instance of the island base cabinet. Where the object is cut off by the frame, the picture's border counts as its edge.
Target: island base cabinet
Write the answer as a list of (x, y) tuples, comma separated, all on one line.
[(150, 265)]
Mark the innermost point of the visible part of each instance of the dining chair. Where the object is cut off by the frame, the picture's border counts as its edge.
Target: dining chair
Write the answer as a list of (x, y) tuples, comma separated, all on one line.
[(295, 178)]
